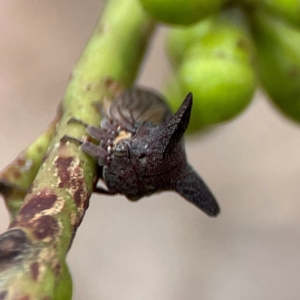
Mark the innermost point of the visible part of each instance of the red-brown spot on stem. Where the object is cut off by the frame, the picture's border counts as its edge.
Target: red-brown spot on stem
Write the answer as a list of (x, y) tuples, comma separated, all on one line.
[(13, 171), (113, 86), (78, 186), (57, 269), (78, 193), (45, 226), (37, 203), (34, 269), (16, 174), (63, 170), (109, 82), (20, 161)]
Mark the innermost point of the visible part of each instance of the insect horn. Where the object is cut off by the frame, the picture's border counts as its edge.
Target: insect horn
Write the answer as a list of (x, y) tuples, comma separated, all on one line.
[(172, 131), (191, 186)]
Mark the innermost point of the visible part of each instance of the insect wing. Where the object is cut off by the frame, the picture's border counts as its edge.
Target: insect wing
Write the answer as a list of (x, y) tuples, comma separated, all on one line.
[(137, 106)]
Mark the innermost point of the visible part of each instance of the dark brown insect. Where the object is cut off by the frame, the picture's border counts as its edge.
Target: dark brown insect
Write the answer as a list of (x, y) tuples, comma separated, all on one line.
[(141, 150)]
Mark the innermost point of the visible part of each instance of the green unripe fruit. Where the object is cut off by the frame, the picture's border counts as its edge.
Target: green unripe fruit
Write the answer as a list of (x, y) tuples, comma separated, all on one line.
[(218, 70), (222, 87), (179, 39), (181, 11), (278, 50)]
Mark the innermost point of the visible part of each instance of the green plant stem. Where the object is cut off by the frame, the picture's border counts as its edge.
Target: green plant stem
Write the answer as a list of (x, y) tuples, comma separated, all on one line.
[(17, 177), (33, 250)]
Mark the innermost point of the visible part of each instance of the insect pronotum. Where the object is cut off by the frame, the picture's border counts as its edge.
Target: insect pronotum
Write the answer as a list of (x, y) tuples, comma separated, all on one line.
[(141, 150)]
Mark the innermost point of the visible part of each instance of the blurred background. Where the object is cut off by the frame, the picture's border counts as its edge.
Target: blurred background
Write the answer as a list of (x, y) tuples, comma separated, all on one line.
[(160, 247)]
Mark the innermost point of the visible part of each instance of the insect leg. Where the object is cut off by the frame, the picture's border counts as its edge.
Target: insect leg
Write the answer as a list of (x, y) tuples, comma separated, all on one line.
[(98, 133), (94, 150)]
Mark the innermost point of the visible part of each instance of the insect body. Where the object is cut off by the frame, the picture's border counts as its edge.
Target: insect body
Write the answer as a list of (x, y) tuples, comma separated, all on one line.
[(141, 150)]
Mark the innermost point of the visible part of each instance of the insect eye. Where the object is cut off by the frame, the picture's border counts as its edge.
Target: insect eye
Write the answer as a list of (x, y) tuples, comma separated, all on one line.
[(121, 150)]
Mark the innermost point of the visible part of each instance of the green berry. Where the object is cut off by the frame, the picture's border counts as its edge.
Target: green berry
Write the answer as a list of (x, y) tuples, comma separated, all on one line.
[(218, 70), (278, 50)]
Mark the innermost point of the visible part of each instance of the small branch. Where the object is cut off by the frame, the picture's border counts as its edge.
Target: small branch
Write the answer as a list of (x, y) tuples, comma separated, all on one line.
[(17, 177), (33, 250)]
